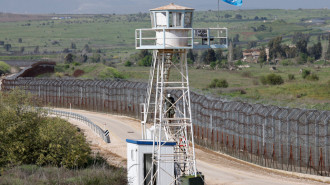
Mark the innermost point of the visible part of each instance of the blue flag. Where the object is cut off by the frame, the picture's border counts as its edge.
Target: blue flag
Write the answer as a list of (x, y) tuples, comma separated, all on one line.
[(234, 2)]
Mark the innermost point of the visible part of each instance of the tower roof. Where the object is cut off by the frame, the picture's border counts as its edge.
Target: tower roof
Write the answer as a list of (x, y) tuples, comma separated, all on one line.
[(172, 6)]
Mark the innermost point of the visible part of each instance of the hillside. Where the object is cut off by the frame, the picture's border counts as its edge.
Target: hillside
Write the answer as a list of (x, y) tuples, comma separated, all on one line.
[(113, 35)]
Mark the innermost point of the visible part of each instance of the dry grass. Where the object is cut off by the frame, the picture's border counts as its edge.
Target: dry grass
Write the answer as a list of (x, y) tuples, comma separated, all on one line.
[(93, 175)]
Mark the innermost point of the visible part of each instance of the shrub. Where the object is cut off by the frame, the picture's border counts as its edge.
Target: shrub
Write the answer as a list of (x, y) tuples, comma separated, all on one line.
[(238, 62), (312, 77), (246, 74), (213, 65), (302, 59), (213, 84), (222, 83), (62, 144), (146, 61), (128, 63), (110, 72), (273, 79), (59, 74), (29, 137), (255, 82), (263, 80), (190, 62), (286, 62), (78, 73), (291, 76), (4, 68), (76, 63), (305, 73)]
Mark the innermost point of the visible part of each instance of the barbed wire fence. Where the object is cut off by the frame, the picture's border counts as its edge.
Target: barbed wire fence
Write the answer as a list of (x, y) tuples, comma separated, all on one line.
[(276, 137)]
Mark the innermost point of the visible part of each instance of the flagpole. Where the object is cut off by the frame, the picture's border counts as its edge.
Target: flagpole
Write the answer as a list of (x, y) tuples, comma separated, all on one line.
[(218, 12)]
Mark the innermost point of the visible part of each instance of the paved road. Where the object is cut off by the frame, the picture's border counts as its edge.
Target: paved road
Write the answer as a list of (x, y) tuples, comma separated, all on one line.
[(217, 168)]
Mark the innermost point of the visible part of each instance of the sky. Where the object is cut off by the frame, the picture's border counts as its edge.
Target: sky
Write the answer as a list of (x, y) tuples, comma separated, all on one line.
[(135, 6)]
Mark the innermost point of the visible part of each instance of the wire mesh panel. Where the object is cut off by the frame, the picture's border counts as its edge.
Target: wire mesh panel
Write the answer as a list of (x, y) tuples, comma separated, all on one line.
[(276, 137)]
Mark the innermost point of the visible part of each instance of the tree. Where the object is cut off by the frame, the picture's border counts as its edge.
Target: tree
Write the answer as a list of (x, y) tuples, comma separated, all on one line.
[(262, 57), (290, 52), (238, 53), (302, 46), (36, 49), (236, 38), (219, 54), (297, 36), (4, 68), (238, 16), (327, 54), (203, 56), (96, 58), (7, 47), (251, 44), (275, 48), (22, 49), (230, 55), (210, 57), (316, 51), (191, 55), (73, 45), (227, 16), (66, 50), (87, 48), (143, 53), (84, 58), (69, 58), (270, 29), (146, 61), (261, 28)]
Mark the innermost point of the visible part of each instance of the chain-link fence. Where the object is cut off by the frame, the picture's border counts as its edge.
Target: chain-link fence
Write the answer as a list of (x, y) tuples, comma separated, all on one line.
[(271, 136)]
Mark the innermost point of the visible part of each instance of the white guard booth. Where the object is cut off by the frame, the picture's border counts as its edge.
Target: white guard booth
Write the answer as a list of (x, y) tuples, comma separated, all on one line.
[(139, 162)]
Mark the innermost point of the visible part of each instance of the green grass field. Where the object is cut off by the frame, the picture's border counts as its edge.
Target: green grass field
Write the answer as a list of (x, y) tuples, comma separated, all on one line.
[(114, 36), (295, 93)]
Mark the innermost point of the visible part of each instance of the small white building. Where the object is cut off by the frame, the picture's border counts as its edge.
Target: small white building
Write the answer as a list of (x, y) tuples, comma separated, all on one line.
[(139, 162)]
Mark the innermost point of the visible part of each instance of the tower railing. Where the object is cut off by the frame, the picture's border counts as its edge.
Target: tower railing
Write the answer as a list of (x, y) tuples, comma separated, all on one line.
[(196, 38)]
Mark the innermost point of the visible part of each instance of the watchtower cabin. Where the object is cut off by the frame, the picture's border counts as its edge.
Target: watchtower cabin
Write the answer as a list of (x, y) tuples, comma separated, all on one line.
[(172, 29)]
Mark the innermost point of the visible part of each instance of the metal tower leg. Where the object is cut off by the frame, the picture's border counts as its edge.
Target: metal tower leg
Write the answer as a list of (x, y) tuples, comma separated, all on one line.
[(172, 114)]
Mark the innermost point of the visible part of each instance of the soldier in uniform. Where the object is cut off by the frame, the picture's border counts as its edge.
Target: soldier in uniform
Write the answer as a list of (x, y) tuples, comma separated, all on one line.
[(170, 106)]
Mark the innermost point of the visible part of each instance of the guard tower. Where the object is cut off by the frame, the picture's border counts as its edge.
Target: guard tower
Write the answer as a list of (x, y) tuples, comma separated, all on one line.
[(167, 107)]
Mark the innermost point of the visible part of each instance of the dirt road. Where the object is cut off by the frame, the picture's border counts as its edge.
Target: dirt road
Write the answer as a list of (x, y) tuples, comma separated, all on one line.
[(217, 168)]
